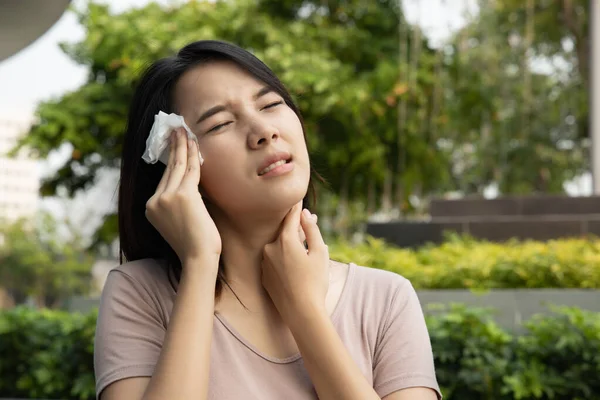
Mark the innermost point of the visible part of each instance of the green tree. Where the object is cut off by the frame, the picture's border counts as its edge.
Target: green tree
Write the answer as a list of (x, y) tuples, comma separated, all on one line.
[(339, 59), (388, 118), (38, 261), (522, 119)]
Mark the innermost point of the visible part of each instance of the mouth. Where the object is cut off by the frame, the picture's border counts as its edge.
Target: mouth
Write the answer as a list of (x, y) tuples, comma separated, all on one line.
[(273, 166), (273, 162)]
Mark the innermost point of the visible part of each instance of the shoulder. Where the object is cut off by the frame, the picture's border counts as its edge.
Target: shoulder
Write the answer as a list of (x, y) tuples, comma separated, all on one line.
[(145, 271), (145, 279), (373, 293), (132, 321), (378, 282)]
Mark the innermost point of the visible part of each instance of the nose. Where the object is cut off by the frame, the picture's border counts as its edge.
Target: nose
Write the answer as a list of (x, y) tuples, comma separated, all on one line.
[(261, 134)]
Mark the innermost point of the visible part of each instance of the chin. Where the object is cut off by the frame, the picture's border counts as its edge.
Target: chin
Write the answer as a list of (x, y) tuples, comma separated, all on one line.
[(286, 199), (281, 199), (253, 199)]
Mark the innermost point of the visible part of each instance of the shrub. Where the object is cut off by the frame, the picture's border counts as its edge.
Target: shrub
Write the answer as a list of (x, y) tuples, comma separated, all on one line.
[(465, 263), (471, 352), (557, 357), (48, 354)]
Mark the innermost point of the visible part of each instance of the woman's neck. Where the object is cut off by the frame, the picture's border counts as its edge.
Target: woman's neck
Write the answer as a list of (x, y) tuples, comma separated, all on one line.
[(243, 243)]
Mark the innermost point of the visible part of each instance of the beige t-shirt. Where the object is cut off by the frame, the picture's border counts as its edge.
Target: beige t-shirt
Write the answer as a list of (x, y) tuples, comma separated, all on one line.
[(378, 317)]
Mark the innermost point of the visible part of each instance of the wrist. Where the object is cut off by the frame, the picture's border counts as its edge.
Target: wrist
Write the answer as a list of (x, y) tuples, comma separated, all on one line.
[(306, 313), (201, 264)]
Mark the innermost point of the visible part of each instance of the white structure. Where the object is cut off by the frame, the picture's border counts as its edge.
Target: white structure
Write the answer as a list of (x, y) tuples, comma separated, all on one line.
[(23, 21), (19, 177)]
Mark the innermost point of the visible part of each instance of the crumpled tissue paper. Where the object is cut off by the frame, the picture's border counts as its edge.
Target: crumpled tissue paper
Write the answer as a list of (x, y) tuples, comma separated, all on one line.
[(157, 144)]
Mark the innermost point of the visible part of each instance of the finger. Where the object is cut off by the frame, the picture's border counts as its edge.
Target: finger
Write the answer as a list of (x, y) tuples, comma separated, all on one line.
[(179, 162), (192, 174), (165, 178), (302, 237), (314, 239), (301, 234)]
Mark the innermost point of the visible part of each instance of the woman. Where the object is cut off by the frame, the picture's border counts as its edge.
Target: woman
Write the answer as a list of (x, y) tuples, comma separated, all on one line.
[(220, 297)]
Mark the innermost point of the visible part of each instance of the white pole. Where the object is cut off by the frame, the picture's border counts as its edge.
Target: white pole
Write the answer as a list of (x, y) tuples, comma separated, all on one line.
[(594, 109)]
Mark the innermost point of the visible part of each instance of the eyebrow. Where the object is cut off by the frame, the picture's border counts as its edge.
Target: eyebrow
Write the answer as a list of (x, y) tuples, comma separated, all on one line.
[(217, 109)]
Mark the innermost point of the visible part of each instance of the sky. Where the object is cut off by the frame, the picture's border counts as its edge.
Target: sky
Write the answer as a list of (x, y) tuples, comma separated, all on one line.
[(42, 71)]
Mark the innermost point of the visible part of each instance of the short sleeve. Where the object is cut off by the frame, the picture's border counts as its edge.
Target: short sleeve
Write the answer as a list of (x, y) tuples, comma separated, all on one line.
[(129, 331), (403, 355)]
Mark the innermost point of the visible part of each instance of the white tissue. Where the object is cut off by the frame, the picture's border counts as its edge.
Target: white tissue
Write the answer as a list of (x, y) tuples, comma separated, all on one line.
[(157, 144)]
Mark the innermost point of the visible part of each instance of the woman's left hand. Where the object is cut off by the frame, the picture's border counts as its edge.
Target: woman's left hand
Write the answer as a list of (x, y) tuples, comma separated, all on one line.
[(297, 280)]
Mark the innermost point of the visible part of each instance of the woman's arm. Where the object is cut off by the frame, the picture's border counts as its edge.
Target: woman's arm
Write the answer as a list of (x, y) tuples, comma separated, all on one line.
[(182, 370), (183, 367), (178, 212), (297, 282), (331, 368)]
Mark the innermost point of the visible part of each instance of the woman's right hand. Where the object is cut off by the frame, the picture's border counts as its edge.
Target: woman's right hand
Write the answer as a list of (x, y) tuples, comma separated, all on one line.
[(177, 210)]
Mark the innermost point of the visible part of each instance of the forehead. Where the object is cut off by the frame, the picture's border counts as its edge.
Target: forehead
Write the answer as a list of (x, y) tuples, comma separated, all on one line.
[(216, 80)]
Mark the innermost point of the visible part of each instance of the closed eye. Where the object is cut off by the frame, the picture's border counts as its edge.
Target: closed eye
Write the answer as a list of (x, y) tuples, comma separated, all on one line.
[(272, 105), (217, 127)]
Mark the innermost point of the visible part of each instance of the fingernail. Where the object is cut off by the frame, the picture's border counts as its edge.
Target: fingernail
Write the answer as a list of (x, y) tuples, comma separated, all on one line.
[(314, 216), (306, 213)]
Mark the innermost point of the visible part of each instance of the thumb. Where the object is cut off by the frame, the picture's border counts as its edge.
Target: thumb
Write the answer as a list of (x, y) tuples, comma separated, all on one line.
[(314, 239)]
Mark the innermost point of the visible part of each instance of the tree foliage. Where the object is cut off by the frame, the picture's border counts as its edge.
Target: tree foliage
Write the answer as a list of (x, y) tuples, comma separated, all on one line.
[(521, 92), (388, 117), (39, 262)]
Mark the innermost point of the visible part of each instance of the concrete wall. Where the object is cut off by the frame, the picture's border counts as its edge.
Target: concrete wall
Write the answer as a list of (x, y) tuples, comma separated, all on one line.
[(512, 306)]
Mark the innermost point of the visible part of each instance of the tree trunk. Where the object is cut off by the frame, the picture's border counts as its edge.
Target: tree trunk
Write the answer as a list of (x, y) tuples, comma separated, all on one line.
[(371, 197), (402, 77), (386, 199), (342, 208), (581, 40)]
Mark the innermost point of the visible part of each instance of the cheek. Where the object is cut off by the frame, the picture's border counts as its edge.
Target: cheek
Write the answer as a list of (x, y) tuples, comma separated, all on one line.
[(295, 134), (222, 171), (214, 165)]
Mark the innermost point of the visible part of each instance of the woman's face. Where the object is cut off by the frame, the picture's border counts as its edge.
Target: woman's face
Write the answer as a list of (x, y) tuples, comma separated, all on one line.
[(252, 143)]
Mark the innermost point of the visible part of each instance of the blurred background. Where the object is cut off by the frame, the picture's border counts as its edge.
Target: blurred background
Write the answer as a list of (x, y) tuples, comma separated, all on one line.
[(458, 140)]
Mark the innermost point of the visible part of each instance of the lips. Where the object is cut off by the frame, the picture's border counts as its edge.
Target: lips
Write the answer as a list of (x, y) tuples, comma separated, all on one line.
[(273, 158)]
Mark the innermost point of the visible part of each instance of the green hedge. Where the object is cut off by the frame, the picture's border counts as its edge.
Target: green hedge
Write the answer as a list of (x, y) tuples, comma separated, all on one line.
[(464, 263), (48, 354), (557, 357)]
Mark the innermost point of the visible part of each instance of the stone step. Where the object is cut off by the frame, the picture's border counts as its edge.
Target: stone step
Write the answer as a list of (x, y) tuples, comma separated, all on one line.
[(515, 205), (494, 228)]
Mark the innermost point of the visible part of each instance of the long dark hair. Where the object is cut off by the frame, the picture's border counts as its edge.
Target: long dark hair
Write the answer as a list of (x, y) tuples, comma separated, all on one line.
[(137, 237)]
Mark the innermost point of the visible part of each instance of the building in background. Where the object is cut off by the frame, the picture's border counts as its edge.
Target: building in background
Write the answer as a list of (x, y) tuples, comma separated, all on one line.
[(21, 23), (19, 176)]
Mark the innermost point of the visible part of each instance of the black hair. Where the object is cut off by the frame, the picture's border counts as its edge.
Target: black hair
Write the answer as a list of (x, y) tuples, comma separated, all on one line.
[(138, 238)]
